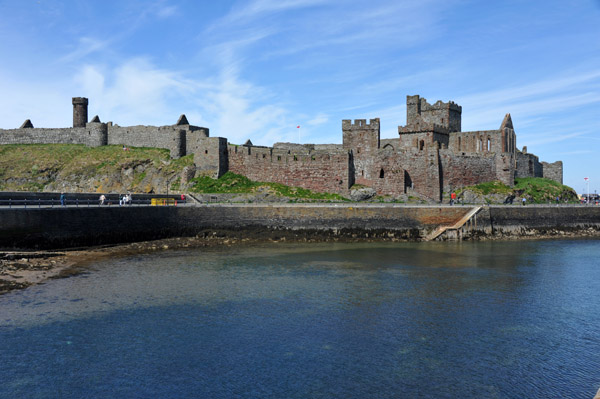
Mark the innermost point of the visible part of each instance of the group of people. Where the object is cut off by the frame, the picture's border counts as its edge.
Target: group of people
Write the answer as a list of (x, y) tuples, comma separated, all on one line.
[(123, 199)]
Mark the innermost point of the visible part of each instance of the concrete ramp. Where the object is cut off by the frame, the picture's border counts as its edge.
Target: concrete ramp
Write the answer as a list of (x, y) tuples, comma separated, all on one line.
[(442, 229)]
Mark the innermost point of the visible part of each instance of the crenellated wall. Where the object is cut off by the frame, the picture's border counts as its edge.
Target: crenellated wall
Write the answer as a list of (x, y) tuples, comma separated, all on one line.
[(314, 170), (430, 155)]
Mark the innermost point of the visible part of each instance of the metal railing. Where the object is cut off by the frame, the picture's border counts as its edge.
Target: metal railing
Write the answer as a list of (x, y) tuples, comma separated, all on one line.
[(75, 202)]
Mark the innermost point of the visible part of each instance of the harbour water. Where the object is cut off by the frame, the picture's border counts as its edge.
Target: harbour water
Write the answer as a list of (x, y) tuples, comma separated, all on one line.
[(402, 320)]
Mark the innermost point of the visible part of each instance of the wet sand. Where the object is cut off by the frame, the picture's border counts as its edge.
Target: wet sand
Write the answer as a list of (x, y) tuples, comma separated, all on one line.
[(21, 269)]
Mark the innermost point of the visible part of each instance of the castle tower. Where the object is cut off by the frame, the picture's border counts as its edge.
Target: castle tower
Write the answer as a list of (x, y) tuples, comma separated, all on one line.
[(413, 109), (361, 136), (446, 115), (80, 111)]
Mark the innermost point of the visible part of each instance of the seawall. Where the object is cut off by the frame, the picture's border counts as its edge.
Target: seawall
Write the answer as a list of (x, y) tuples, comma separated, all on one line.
[(75, 227)]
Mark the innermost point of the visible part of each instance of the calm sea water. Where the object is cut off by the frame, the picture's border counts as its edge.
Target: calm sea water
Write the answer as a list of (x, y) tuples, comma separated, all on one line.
[(408, 320)]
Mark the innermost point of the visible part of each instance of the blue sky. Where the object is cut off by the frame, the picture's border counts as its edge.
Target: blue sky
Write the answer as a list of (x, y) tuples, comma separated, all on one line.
[(257, 69)]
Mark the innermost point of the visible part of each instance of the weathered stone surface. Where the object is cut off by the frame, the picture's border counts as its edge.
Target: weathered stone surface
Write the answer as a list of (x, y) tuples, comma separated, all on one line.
[(362, 193), (431, 154), (69, 227)]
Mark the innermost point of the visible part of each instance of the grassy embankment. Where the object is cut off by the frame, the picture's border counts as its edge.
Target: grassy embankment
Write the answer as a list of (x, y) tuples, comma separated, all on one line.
[(73, 167), (535, 189), (233, 183), (39, 167)]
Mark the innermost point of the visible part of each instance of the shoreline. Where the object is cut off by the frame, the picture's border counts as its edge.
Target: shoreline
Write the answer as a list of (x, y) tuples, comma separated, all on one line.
[(22, 269)]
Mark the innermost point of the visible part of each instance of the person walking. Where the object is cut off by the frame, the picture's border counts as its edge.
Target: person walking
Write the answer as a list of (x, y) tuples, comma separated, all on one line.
[(524, 200), (102, 199), (452, 198), (63, 199)]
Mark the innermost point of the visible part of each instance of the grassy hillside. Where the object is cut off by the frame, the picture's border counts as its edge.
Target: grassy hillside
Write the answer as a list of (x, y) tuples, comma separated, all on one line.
[(77, 168), (535, 189), (233, 183), (56, 167)]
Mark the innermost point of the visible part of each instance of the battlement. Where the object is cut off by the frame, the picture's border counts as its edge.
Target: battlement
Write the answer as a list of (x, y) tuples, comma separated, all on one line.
[(360, 124), (423, 127), (445, 115), (450, 105)]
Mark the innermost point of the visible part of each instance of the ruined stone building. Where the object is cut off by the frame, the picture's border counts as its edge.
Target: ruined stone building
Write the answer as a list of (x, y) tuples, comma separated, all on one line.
[(430, 156)]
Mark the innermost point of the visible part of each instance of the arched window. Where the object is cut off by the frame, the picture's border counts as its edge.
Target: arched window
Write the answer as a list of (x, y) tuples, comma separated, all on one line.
[(421, 144), (489, 144), (459, 144), (381, 174)]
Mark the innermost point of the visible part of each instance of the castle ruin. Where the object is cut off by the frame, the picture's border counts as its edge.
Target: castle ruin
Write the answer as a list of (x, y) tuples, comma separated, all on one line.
[(430, 156)]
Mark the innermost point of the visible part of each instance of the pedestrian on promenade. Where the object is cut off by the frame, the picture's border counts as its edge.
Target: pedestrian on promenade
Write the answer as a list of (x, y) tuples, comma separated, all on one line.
[(102, 199), (452, 198), (63, 199), (524, 200)]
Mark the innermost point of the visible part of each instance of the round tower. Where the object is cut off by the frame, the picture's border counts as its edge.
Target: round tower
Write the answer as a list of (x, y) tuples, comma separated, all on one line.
[(80, 111)]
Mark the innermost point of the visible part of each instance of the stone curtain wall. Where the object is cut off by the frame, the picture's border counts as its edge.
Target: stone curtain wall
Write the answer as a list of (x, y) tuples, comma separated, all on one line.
[(92, 135), (172, 138), (318, 171)]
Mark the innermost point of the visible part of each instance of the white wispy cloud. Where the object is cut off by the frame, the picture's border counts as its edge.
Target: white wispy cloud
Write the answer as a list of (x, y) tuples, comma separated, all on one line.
[(84, 47)]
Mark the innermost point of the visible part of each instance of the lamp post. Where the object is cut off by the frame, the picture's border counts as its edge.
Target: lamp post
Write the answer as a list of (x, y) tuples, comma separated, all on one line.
[(587, 180)]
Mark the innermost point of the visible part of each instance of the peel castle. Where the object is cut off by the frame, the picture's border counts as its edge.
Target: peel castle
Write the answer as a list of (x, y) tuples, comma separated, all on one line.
[(430, 156)]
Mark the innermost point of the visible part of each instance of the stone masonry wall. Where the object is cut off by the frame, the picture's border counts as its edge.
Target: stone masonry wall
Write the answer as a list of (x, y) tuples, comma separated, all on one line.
[(422, 172), (443, 114), (172, 138), (210, 155), (477, 141), (528, 165), (70, 227), (466, 170), (553, 171), (318, 171), (382, 172), (92, 135)]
